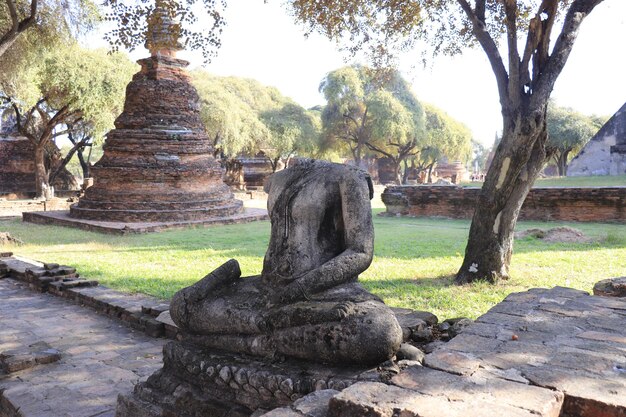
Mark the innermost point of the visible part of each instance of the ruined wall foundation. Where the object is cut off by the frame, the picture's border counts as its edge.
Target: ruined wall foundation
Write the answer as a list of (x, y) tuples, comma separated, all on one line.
[(603, 204)]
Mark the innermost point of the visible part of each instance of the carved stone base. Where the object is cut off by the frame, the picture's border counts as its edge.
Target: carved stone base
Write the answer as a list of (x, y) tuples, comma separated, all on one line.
[(196, 382)]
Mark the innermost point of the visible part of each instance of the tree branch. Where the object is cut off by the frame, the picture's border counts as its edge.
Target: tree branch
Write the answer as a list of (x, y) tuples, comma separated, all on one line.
[(491, 50), (515, 88), (543, 85), (63, 162), (376, 149), (480, 11), (15, 21), (17, 26)]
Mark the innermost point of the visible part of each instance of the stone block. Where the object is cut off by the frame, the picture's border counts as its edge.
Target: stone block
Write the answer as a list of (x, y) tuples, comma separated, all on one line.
[(539, 401), (39, 353), (613, 287), (371, 399)]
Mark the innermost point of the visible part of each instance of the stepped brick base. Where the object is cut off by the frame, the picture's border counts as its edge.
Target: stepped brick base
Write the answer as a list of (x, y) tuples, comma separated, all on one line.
[(62, 218), (158, 163)]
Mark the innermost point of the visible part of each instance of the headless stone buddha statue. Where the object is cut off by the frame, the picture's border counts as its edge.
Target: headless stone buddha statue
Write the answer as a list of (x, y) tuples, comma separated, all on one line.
[(306, 303)]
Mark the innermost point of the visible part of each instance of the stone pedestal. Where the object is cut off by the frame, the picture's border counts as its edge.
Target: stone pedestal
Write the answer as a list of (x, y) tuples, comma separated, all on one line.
[(158, 162), (198, 383)]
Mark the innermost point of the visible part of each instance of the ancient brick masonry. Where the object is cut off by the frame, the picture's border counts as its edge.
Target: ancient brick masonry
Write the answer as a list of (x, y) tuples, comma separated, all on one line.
[(17, 168), (567, 204), (158, 162)]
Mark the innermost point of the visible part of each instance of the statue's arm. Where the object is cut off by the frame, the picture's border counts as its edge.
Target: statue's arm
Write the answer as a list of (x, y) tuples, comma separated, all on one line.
[(359, 241)]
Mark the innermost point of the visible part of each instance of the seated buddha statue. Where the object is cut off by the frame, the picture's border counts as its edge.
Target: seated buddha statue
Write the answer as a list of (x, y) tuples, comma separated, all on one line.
[(307, 303)]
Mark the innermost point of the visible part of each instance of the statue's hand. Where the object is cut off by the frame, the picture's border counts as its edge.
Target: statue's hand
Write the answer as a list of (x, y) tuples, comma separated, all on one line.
[(344, 309), (223, 275), (286, 295)]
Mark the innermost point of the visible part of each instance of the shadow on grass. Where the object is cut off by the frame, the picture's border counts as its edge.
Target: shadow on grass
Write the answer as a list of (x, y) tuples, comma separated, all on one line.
[(396, 238), (381, 286)]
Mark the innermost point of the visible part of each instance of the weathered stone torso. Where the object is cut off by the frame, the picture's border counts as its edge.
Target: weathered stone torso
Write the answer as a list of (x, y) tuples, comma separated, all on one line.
[(315, 207)]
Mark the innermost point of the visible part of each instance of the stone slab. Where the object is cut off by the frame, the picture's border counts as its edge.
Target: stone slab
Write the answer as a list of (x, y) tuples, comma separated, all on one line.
[(370, 399), (135, 310), (312, 405), (560, 339), (62, 218), (99, 357)]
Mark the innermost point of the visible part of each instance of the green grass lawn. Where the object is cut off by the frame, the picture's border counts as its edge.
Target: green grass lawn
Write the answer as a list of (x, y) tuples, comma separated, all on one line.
[(414, 262), (597, 181)]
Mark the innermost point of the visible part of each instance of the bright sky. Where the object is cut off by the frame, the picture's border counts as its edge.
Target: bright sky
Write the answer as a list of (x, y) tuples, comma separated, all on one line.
[(262, 41)]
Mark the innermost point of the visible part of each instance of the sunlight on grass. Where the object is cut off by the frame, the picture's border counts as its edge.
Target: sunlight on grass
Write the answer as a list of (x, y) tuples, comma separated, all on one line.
[(414, 264)]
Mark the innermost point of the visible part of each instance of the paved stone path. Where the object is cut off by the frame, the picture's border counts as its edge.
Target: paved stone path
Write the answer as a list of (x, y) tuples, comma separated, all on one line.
[(100, 357)]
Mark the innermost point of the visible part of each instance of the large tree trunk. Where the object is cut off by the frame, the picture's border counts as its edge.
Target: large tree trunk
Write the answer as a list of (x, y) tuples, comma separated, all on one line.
[(397, 170), (356, 153), (562, 163), (41, 173), (84, 164), (510, 177), (430, 173)]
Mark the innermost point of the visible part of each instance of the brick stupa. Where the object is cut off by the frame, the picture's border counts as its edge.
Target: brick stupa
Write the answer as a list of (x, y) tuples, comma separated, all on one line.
[(158, 163)]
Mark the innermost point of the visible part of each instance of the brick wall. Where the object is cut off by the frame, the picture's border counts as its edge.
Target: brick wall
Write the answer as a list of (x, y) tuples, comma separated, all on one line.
[(568, 204), (17, 169)]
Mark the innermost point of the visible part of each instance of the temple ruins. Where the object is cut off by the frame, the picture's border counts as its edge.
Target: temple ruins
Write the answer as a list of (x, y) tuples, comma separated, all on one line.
[(605, 153), (158, 163)]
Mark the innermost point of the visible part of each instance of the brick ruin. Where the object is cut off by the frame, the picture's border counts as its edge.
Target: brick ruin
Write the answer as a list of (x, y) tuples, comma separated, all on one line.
[(158, 163), (17, 169), (255, 170), (605, 154), (566, 204)]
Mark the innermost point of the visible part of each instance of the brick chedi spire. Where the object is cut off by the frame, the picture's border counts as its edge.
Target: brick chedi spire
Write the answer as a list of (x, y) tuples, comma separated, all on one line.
[(158, 163)]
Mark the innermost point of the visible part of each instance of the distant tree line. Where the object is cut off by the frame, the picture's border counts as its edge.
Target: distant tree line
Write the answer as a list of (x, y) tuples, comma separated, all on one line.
[(368, 114)]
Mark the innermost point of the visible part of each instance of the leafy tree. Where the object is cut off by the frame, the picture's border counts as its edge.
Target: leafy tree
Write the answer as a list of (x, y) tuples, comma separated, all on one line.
[(525, 79), (44, 20), (480, 154), (245, 117), (292, 130), (568, 132), (372, 110), (232, 123), (445, 137), (396, 131), (68, 88)]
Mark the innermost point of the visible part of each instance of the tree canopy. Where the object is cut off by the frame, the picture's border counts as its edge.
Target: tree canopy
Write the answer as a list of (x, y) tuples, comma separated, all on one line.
[(68, 87), (568, 132), (445, 137), (42, 22), (245, 117), (371, 110)]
